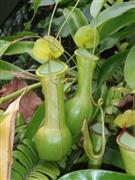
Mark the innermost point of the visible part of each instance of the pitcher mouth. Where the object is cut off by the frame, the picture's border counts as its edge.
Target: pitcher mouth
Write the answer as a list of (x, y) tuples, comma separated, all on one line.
[(126, 145), (55, 68), (84, 53)]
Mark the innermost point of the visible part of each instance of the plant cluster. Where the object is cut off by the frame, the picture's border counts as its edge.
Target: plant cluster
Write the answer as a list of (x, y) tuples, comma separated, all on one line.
[(87, 118)]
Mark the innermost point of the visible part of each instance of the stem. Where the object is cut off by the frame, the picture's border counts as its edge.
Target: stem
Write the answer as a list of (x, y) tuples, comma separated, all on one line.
[(67, 19), (19, 92), (50, 24)]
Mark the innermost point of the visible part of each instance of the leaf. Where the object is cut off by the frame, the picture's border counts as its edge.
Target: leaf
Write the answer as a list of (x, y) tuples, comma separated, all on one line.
[(19, 35), (16, 175), (29, 101), (113, 157), (19, 168), (125, 120), (20, 156), (36, 5), (48, 169), (20, 47), (112, 12), (129, 68), (96, 7), (109, 42), (35, 122), (31, 146), (117, 23), (49, 2), (75, 21), (6, 139), (4, 45), (8, 71), (96, 175), (108, 68)]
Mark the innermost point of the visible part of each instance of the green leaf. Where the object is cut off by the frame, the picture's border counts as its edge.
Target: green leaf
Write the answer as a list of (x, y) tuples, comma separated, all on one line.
[(96, 175), (75, 21), (4, 45), (129, 68), (125, 120), (20, 156), (48, 169), (36, 5), (27, 153), (35, 122), (16, 176), (24, 34), (20, 47), (19, 168), (96, 7), (108, 68), (117, 23), (8, 71), (112, 12), (109, 42), (37, 175), (113, 157), (31, 146), (49, 2)]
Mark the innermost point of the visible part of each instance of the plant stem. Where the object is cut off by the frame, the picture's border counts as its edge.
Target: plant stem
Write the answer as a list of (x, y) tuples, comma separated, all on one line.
[(67, 18), (19, 92), (50, 24)]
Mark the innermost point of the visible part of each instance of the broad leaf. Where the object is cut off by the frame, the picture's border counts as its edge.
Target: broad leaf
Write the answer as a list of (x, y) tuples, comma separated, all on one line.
[(4, 45), (129, 69), (75, 21), (24, 34), (36, 5), (96, 175), (35, 122), (113, 157), (112, 12), (8, 71), (109, 42), (7, 127), (20, 47), (117, 23), (108, 68), (48, 2), (96, 7)]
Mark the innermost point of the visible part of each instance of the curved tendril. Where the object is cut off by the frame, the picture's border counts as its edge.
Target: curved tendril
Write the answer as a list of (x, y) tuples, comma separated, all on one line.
[(50, 23), (71, 57), (67, 18)]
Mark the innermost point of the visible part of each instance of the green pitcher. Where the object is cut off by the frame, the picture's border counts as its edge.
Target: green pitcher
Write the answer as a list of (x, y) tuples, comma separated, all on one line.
[(126, 144), (80, 106), (53, 140)]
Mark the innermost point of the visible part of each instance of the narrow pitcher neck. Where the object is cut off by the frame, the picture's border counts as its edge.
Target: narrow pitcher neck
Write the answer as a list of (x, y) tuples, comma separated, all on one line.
[(85, 74), (53, 90)]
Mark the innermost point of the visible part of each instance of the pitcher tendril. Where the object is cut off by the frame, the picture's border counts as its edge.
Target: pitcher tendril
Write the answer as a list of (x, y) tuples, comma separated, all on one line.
[(50, 23), (67, 19)]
